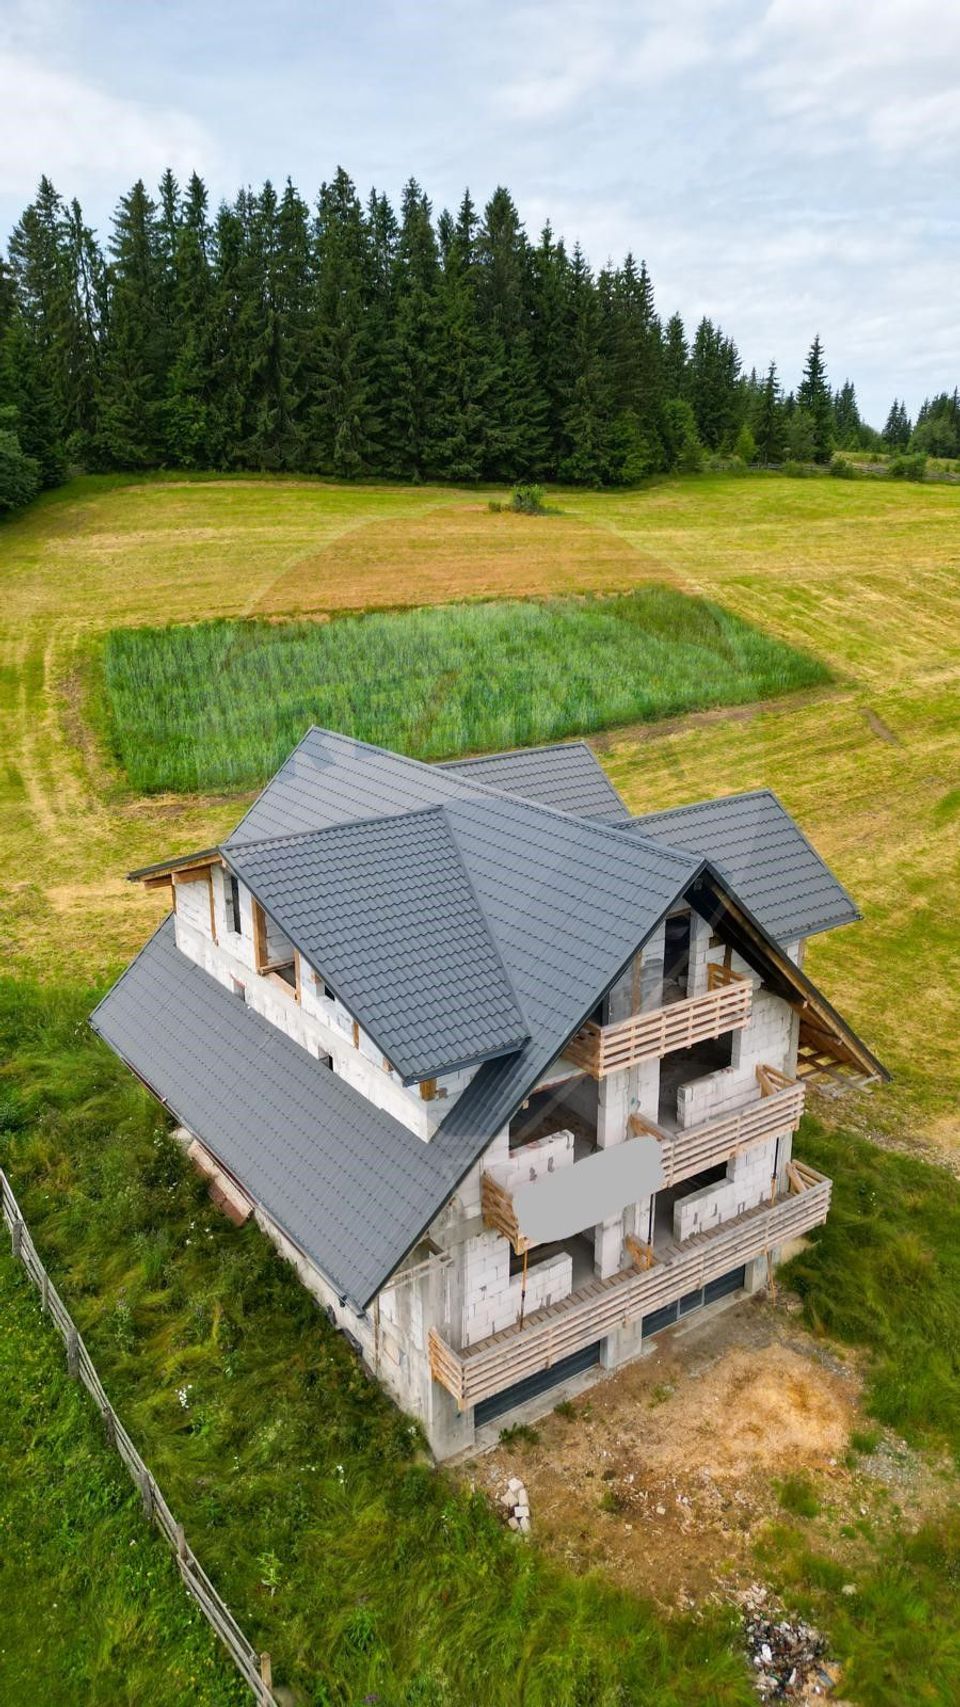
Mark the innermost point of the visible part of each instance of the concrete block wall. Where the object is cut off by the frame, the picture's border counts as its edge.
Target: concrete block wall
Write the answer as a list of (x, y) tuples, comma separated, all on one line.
[(534, 1160), (747, 1184), (193, 904), (492, 1296)]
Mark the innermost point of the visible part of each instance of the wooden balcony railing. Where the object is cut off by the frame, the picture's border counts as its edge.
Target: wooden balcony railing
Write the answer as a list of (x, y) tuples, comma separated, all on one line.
[(774, 1113), (726, 1006), (603, 1306)]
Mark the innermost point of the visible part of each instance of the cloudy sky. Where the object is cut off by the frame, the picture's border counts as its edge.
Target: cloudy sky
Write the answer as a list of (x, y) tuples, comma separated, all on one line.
[(785, 166)]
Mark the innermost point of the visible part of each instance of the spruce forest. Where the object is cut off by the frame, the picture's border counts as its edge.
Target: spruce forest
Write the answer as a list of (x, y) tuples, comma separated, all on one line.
[(352, 341)]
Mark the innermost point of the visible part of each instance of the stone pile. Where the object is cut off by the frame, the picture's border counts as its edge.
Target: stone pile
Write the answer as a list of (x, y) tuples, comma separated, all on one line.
[(516, 1503), (789, 1657)]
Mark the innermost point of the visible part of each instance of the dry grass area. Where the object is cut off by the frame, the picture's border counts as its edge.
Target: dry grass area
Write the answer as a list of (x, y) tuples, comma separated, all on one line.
[(866, 575), (666, 1475)]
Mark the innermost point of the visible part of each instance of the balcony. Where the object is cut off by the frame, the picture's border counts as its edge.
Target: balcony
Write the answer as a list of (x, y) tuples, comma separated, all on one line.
[(773, 1114), (726, 1006), (602, 1306)]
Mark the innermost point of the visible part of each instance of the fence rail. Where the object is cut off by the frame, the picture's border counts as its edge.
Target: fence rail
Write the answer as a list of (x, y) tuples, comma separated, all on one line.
[(254, 1667)]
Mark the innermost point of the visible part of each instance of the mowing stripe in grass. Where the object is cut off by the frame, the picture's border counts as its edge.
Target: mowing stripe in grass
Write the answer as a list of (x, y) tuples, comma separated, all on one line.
[(219, 705)]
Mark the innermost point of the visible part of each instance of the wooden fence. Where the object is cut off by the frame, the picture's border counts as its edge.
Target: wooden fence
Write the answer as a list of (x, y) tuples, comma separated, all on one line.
[(253, 1667)]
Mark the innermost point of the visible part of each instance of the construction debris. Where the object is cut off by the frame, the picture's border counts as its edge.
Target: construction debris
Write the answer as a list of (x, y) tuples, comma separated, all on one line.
[(516, 1503), (789, 1657)]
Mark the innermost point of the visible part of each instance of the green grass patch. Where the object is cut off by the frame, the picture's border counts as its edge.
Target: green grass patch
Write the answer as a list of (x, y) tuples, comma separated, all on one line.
[(366, 1572), (797, 1495), (884, 1272), (218, 705), (896, 1634), (93, 1607)]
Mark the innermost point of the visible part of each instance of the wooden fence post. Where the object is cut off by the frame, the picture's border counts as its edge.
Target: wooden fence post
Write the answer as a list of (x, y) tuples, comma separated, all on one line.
[(266, 1671), (146, 1494), (110, 1426), (16, 1236), (45, 1292), (73, 1353), (181, 1544)]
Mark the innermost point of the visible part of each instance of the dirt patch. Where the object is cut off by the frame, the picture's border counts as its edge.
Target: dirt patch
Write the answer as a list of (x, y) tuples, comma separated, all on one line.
[(666, 1473)]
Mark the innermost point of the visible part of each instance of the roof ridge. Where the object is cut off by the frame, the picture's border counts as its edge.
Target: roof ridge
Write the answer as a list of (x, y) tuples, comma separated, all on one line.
[(331, 829), (484, 789), (714, 800), (510, 753)]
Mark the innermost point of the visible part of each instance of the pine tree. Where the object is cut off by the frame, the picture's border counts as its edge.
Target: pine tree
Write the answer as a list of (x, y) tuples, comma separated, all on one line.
[(131, 425), (846, 417), (713, 385), (468, 375), (343, 420), (587, 421), (518, 439), (896, 433), (194, 433), (675, 358), (769, 427), (413, 351), (814, 401)]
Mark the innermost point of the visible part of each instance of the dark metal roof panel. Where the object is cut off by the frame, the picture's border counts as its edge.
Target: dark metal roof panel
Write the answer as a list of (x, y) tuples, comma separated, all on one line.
[(567, 776), (384, 909), (763, 855), (349, 1184)]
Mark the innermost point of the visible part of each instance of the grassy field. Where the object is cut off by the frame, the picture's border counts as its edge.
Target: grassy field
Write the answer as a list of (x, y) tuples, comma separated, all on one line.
[(220, 705), (93, 1608), (360, 1570), (861, 574)]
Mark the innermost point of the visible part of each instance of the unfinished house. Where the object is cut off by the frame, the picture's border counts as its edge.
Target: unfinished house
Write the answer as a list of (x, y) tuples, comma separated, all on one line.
[(510, 1076)]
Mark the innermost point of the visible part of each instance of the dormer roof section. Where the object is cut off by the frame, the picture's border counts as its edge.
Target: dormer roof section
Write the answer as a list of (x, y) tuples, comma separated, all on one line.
[(384, 909)]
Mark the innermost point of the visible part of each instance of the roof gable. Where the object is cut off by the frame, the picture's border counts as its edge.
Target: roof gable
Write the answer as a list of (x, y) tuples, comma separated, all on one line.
[(763, 855), (384, 909)]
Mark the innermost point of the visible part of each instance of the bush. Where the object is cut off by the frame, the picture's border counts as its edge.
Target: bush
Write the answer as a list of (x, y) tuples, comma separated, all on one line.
[(799, 470), (842, 469), (746, 445), (913, 466), (528, 500), (19, 473)]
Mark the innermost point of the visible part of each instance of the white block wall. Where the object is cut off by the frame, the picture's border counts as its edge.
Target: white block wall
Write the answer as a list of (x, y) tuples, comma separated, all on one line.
[(747, 1184), (491, 1295), (319, 1024), (533, 1161)]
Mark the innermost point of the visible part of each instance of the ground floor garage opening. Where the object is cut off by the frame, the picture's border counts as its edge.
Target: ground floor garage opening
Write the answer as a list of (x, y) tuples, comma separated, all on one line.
[(533, 1385), (714, 1289)]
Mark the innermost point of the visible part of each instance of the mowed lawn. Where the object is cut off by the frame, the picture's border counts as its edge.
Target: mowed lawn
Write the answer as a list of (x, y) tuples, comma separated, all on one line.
[(863, 575)]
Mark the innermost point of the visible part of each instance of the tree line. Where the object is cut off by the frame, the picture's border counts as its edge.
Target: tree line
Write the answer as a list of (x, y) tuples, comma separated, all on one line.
[(354, 340)]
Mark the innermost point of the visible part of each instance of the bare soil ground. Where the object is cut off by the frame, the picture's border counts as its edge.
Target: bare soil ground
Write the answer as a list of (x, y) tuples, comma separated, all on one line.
[(668, 1471)]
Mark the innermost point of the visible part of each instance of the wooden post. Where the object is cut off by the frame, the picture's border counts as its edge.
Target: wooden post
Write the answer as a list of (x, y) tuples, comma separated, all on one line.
[(266, 1671), (181, 1544), (73, 1353), (45, 1292), (110, 1426), (146, 1494), (16, 1236)]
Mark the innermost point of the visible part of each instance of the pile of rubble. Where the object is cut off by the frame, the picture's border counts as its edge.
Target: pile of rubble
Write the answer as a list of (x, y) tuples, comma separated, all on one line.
[(517, 1503), (789, 1657)]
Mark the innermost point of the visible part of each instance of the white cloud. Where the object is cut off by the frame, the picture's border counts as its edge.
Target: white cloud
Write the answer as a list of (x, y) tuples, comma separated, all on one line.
[(58, 123), (886, 70)]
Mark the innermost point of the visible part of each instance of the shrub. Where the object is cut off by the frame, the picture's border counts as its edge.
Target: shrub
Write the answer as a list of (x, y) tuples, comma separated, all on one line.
[(913, 466), (799, 470), (746, 445), (842, 468), (528, 500)]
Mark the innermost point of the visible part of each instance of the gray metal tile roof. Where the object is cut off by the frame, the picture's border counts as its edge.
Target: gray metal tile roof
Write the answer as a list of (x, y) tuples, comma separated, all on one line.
[(384, 909), (764, 856), (566, 902), (568, 776), (350, 1185)]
